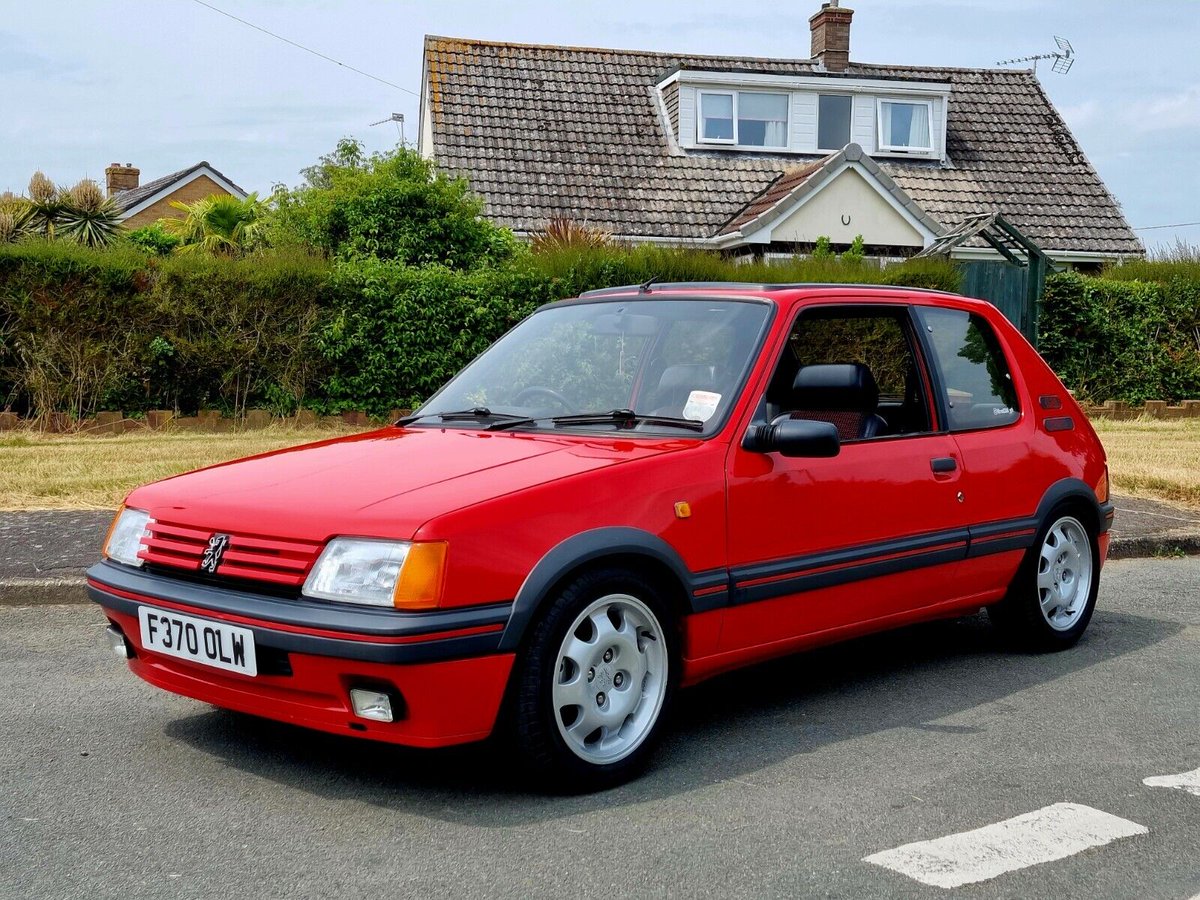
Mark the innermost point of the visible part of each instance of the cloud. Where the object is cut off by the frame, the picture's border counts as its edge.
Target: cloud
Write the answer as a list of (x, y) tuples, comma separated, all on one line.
[(1080, 115), (1177, 110)]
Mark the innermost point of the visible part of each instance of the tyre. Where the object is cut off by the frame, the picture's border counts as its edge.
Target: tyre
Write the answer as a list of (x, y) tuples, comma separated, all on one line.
[(593, 685), (1052, 597)]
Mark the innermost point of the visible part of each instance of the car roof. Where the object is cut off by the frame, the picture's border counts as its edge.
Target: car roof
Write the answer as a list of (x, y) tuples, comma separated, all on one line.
[(739, 288)]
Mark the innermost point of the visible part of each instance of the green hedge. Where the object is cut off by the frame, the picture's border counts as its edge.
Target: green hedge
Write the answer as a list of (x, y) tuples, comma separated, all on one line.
[(1118, 339), (85, 330)]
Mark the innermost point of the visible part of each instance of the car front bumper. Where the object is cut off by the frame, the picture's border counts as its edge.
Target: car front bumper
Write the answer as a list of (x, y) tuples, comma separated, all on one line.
[(443, 666)]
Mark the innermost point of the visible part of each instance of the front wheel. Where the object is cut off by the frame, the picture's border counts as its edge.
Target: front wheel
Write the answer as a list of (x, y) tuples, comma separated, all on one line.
[(1051, 600), (595, 681)]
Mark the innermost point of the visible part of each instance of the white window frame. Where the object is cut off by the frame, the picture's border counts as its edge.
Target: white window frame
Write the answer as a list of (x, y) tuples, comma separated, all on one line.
[(701, 139), (817, 130), (889, 148)]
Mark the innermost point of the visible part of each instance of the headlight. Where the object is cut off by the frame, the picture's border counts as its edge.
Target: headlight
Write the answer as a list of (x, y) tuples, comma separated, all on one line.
[(379, 573), (125, 536)]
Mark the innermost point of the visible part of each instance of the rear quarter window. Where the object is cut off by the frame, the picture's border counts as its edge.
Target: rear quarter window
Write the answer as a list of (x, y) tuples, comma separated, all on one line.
[(975, 374)]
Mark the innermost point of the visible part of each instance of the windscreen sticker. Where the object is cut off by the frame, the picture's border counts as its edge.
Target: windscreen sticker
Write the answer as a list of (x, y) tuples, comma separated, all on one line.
[(701, 405)]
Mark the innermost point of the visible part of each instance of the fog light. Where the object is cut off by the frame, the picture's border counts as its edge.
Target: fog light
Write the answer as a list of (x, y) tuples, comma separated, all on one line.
[(117, 641), (370, 704)]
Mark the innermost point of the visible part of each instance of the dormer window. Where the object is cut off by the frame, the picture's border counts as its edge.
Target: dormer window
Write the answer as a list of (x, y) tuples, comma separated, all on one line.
[(904, 127), (743, 118), (812, 114)]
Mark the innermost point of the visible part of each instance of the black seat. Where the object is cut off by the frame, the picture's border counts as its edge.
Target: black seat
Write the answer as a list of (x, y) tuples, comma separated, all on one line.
[(843, 394), (676, 386)]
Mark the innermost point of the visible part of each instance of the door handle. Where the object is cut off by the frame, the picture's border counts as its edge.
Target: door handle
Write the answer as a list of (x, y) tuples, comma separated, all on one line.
[(941, 464)]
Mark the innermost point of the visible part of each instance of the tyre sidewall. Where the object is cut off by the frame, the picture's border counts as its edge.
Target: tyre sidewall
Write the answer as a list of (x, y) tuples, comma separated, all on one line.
[(1021, 612), (544, 751)]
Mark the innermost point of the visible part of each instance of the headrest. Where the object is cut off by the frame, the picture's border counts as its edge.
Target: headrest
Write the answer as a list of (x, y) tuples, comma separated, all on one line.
[(691, 377), (845, 386)]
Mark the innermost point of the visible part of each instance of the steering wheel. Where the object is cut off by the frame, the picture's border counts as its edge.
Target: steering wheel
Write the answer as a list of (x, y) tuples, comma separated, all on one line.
[(537, 390)]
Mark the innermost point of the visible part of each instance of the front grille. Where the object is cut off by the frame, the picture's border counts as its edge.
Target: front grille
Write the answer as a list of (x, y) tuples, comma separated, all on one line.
[(247, 557)]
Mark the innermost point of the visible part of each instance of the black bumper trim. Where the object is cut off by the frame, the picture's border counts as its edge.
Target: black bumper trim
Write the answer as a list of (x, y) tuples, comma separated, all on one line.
[(375, 623)]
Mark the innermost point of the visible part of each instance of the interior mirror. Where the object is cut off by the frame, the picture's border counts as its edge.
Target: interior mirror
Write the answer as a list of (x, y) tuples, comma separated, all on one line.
[(627, 324), (794, 437)]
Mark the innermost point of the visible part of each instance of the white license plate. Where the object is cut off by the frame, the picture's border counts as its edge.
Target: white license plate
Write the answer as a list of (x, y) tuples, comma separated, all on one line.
[(198, 640)]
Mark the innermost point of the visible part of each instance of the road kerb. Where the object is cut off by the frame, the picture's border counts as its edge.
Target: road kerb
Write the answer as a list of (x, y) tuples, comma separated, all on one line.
[(43, 591)]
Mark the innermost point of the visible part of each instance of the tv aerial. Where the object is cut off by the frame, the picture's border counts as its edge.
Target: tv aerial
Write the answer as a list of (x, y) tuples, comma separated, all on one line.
[(1064, 58), (398, 118)]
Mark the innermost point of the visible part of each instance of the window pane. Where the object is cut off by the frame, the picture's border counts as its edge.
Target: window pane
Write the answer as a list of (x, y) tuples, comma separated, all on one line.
[(717, 113), (833, 122), (878, 342), (979, 387), (762, 119), (905, 125)]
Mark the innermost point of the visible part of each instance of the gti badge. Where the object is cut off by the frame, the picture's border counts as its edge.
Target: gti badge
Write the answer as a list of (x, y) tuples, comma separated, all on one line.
[(217, 544)]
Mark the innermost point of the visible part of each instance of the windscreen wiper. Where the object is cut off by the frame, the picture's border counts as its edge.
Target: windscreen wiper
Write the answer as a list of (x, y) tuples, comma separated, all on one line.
[(615, 416), (459, 415)]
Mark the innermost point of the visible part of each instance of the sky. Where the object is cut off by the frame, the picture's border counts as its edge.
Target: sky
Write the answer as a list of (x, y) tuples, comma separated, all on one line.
[(163, 84)]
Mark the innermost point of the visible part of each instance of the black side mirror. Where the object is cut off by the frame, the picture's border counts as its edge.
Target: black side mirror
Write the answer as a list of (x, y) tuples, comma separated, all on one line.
[(793, 437)]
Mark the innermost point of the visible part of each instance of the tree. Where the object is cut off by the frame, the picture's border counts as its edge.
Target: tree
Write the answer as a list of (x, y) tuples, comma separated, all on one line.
[(14, 213), (393, 206), (87, 217), (45, 204), (221, 224)]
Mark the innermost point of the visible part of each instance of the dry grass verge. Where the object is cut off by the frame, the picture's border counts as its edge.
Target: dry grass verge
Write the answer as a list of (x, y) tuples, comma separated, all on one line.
[(1154, 458), (42, 471), (1147, 458)]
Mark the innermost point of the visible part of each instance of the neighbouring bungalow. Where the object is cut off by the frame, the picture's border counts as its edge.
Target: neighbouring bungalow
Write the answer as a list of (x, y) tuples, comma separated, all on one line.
[(763, 156), (145, 204)]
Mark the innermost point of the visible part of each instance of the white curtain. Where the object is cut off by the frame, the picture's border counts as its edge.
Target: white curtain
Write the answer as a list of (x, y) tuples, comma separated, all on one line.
[(776, 134), (894, 116), (918, 127)]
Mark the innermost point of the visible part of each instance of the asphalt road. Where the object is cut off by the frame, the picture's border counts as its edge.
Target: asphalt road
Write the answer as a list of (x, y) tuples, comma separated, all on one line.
[(777, 781)]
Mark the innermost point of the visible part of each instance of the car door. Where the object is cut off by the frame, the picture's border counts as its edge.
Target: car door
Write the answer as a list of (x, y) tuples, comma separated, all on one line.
[(1003, 476), (862, 538)]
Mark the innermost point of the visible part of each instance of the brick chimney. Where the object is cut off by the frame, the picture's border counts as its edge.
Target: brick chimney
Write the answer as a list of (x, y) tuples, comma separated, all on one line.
[(119, 177), (831, 36)]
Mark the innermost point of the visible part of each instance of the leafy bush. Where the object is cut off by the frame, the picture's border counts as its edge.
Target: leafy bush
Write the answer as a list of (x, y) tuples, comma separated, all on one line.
[(408, 330), (578, 269), (83, 329), (1115, 339), (393, 206), (153, 239)]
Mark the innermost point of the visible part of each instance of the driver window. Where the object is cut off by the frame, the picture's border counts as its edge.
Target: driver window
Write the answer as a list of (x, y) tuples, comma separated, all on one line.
[(854, 368)]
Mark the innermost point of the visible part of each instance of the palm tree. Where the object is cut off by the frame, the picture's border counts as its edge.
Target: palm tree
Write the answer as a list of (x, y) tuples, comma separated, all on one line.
[(87, 217), (221, 224), (14, 213), (45, 204)]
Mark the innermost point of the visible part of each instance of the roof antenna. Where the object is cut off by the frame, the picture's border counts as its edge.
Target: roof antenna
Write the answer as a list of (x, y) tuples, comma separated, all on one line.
[(398, 118), (645, 286), (1063, 59)]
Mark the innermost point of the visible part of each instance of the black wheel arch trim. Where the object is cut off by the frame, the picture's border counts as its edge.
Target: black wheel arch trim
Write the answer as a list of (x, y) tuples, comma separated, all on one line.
[(1067, 489), (589, 546)]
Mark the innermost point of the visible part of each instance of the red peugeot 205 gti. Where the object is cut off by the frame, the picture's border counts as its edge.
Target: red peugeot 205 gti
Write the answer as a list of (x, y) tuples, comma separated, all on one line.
[(626, 494)]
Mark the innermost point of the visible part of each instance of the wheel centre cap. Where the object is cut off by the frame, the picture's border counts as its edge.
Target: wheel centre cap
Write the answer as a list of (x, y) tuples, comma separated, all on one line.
[(604, 678)]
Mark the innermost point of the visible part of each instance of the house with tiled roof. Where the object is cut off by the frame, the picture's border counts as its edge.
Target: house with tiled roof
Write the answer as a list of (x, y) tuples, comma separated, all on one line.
[(763, 156), (144, 204)]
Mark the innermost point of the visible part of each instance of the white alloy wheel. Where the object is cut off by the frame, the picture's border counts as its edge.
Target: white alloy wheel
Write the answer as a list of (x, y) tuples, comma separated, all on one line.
[(610, 679), (1064, 573)]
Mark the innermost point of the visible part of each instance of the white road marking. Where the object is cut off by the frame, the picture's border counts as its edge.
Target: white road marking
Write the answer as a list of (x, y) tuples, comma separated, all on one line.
[(1185, 781), (1054, 832)]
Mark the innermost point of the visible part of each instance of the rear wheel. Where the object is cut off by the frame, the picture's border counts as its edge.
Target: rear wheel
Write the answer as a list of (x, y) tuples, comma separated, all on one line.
[(1051, 600), (595, 681)]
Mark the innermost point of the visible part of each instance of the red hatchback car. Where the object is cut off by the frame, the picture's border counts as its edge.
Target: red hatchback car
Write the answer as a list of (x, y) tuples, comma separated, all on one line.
[(626, 494)]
